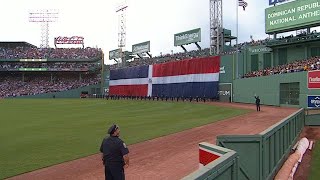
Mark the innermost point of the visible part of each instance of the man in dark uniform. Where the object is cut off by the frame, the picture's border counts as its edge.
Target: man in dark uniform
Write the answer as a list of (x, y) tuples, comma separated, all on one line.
[(257, 102), (114, 155)]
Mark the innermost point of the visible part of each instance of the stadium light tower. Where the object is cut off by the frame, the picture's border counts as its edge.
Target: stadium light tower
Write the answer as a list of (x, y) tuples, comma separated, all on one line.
[(122, 29), (216, 27), (44, 17)]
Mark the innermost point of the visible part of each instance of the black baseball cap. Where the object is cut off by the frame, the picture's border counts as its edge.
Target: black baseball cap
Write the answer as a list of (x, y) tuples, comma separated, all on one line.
[(113, 128)]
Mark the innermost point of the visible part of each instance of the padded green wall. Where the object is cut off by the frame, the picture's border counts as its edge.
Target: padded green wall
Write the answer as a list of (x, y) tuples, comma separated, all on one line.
[(268, 88)]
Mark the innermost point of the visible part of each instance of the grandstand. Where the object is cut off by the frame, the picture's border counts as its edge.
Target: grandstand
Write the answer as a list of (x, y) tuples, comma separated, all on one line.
[(27, 70), (282, 69), (276, 68)]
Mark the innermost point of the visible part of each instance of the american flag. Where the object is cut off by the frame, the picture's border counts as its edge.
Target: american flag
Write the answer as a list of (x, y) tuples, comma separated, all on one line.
[(243, 4)]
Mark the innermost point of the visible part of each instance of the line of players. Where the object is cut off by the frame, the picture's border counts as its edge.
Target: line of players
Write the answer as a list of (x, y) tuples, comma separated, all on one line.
[(155, 98)]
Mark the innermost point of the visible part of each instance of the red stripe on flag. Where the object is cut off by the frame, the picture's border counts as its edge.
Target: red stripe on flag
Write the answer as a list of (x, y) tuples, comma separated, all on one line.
[(184, 67), (206, 157), (129, 90)]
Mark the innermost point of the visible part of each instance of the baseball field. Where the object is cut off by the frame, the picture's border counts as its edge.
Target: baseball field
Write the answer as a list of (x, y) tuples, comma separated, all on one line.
[(40, 133)]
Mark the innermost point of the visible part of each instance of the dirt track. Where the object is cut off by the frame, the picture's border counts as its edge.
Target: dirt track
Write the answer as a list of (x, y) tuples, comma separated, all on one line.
[(169, 157), (304, 168)]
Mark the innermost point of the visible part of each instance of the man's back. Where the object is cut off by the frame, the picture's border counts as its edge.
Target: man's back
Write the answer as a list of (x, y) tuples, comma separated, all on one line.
[(257, 100)]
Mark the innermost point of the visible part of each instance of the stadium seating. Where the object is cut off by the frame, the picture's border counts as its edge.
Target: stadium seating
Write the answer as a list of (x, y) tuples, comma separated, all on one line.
[(27, 70), (301, 38), (13, 85), (297, 66), (59, 53), (189, 55)]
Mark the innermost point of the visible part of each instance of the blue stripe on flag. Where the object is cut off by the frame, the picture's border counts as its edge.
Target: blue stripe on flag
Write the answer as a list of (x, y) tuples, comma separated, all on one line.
[(195, 89), (129, 73)]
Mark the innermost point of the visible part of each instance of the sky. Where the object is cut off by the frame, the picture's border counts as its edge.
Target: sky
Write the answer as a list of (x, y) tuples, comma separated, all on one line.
[(147, 20)]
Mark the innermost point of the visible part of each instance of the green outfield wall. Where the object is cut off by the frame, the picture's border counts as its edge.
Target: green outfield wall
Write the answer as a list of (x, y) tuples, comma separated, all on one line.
[(74, 93), (262, 155), (227, 71), (273, 90), (252, 157), (261, 57), (291, 53), (269, 89)]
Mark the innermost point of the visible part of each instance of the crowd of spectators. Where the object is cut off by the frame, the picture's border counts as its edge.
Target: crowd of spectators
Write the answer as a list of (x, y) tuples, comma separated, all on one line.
[(296, 66), (303, 36), (189, 55), (166, 58), (45, 53), (59, 65), (244, 45), (13, 86)]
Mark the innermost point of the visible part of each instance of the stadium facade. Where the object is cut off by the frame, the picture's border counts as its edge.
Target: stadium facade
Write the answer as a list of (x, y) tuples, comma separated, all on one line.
[(276, 69)]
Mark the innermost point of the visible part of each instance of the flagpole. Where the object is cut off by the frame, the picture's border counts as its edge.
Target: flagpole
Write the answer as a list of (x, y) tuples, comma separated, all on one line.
[(237, 53)]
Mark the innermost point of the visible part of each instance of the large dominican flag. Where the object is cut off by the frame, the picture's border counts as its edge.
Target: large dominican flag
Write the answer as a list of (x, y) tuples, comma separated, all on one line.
[(187, 78)]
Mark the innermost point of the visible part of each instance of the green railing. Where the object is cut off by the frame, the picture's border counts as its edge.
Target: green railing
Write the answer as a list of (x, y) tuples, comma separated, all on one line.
[(225, 167), (278, 140), (261, 155)]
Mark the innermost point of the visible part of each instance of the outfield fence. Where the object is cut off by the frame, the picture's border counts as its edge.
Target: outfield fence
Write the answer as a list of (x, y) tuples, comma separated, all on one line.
[(313, 117), (225, 167), (260, 155)]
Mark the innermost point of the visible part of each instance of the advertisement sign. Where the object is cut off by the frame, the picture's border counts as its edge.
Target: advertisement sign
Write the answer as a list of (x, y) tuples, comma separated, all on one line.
[(141, 48), (261, 49), (313, 101), (314, 79), (292, 15), (114, 54), (187, 37), (68, 40)]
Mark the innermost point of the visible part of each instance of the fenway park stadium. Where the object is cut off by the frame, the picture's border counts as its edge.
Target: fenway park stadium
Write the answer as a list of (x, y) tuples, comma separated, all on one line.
[(171, 105), (240, 71), (28, 71)]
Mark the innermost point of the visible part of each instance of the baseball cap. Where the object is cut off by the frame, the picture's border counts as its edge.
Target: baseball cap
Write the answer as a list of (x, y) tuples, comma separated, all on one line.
[(113, 128)]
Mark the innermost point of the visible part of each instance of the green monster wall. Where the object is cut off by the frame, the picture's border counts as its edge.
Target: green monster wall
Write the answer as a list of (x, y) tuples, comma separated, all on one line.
[(268, 88)]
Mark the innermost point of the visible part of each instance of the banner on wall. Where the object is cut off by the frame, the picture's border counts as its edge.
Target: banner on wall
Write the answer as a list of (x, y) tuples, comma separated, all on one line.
[(187, 78), (314, 79), (314, 101)]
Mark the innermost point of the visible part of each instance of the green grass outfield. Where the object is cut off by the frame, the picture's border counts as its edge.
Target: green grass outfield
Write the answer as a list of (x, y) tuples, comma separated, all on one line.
[(36, 133), (315, 162)]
